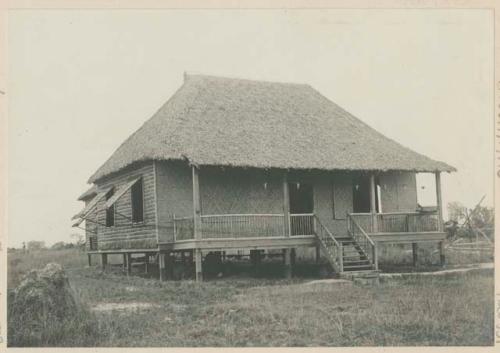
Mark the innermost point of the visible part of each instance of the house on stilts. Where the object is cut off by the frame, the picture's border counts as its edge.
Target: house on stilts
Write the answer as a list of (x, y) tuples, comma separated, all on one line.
[(230, 164)]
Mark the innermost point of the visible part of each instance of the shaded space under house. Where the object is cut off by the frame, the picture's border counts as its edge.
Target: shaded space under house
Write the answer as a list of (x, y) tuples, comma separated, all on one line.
[(231, 164)]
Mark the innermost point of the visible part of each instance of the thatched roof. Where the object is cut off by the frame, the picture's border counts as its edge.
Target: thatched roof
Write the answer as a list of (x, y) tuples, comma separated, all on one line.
[(235, 122), (90, 193)]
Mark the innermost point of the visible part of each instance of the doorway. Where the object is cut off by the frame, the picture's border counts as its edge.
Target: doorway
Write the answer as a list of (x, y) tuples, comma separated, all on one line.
[(301, 201), (361, 194)]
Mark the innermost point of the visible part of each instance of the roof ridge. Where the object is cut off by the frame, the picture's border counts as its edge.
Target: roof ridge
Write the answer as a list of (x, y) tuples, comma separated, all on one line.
[(188, 75)]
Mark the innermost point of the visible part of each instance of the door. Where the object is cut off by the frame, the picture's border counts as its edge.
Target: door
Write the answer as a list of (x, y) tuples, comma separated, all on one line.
[(301, 202)]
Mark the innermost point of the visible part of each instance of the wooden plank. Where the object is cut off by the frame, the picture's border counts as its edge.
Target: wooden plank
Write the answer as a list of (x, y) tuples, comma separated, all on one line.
[(243, 243), (407, 237)]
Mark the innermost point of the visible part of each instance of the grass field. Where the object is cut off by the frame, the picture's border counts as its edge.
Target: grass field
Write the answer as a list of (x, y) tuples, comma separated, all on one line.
[(245, 311)]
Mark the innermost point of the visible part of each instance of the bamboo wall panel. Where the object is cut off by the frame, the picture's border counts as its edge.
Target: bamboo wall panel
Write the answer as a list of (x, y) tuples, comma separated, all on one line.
[(175, 195), (237, 191), (124, 234)]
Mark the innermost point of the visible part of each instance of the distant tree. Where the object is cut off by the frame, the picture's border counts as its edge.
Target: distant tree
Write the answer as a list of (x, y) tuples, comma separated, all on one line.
[(456, 212), (36, 245), (58, 246), (464, 222), (79, 240)]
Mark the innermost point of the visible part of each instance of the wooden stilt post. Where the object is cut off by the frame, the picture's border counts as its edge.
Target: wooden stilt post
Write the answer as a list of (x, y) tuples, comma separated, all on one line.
[(288, 263), (124, 262), (146, 263), (442, 259), (414, 248), (169, 262), (293, 256), (104, 260), (286, 206), (162, 264), (318, 254), (198, 265), (89, 259), (373, 204), (129, 264)]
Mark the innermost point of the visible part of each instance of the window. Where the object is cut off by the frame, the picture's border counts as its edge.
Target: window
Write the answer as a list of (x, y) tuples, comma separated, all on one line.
[(137, 202), (110, 211)]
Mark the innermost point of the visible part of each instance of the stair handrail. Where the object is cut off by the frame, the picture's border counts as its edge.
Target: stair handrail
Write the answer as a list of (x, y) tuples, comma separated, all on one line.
[(374, 256), (338, 265), (353, 221)]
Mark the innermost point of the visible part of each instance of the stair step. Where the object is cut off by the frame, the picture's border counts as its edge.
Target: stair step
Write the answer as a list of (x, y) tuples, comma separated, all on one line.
[(370, 266), (357, 261)]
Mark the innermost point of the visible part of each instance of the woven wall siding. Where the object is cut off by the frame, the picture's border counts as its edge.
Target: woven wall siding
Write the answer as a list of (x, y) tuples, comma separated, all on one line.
[(175, 195), (399, 192), (90, 227), (123, 226), (323, 200), (240, 191)]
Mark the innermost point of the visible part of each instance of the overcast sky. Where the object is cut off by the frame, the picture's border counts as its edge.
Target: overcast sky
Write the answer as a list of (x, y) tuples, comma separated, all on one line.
[(80, 82)]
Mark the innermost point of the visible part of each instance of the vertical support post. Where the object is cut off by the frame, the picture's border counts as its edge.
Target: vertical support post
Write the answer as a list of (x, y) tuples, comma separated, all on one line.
[(375, 256), (340, 257), (124, 262), (129, 264), (162, 265), (286, 206), (169, 264), (175, 228), (104, 260), (293, 256), (89, 259), (439, 201), (146, 263), (196, 203), (288, 263), (442, 259), (318, 254), (373, 204), (414, 248), (198, 264)]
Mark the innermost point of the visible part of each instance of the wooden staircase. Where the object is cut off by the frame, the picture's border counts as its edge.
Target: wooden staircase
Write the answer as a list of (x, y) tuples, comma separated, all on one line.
[(346, 254), (329, 245), (354, 258)]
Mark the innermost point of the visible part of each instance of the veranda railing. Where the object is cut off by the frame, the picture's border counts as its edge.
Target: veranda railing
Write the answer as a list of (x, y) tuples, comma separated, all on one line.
[(244, 226), (397, 222)]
